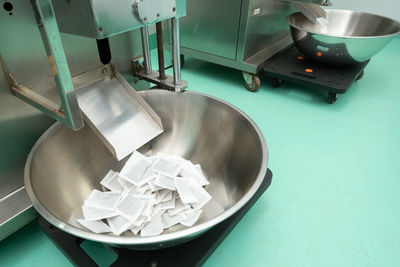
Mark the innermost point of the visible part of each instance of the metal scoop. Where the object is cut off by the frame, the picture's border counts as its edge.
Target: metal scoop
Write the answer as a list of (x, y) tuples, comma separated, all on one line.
[(114, 111)]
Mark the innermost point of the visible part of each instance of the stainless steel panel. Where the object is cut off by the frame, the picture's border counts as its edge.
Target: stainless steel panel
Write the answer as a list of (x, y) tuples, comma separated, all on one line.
[(238, 34), (266, 24), (16, 211), (211, 27), (20, 124), (100, 19)]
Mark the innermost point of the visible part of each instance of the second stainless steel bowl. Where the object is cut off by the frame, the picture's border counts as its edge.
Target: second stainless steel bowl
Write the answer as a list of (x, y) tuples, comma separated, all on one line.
[(349, 38)]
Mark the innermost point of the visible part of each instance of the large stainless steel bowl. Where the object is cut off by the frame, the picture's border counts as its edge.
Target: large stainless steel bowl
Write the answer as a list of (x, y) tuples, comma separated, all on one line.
[(349, 38), (65, 166)]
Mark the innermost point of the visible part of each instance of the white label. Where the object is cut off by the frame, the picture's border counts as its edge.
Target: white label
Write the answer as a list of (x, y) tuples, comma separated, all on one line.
[(256, 11)]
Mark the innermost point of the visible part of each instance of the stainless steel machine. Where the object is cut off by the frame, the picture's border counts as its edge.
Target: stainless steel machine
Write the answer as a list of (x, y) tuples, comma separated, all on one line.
[(241, 34), (61, 57)]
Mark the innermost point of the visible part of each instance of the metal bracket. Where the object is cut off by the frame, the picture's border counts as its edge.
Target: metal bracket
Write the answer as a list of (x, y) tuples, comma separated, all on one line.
[(153, 77), (173, 83), (150, 11), (68, 112)]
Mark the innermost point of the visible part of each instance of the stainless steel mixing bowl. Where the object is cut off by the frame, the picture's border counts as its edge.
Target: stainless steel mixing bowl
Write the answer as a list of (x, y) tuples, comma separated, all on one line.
[(65, 166), (349, 38)]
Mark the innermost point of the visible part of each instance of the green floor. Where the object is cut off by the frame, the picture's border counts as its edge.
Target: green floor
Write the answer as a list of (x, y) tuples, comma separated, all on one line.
[(334, 200)]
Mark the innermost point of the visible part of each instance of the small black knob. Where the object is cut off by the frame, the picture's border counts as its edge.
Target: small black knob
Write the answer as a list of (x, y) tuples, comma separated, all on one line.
[(8, 6)]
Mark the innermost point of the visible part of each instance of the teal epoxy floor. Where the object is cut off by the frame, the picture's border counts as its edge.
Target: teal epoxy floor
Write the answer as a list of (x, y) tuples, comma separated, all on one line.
[(334, 199)]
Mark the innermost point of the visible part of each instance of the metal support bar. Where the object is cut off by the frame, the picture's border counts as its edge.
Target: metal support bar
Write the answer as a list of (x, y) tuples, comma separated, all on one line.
[(160, 50), (176, 50), (146, 49), (69, 112)]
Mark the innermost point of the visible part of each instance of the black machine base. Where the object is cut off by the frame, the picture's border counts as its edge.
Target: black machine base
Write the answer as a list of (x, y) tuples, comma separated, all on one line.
[(192, 253), (292, 66)]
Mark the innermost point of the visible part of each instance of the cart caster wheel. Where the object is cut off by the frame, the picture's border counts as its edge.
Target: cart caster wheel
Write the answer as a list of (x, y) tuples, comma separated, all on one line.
[(276, 82), (332, 97), (253, 87), (137, 67), (360, 76), (182, 61)]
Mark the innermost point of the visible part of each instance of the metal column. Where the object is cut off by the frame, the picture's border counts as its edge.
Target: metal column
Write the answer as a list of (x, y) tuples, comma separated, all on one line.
[(146, 49), (176, 50)]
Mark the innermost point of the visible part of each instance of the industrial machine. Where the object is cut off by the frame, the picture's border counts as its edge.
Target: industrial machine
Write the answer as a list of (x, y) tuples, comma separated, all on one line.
[(241, 34), (62, 58)]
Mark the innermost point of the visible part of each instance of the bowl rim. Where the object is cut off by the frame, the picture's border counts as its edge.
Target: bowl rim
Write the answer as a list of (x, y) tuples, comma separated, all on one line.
[(138, 240), (288, 18)]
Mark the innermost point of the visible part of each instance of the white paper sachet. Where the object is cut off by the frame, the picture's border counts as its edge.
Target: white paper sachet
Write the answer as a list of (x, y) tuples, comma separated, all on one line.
[(156, 210), (167, 166), (191, 217), (110, 181), (170, 204), (169, 221), (200, 194), (147, 211), (177, 159), (103, 200), (148, 193), (136, 229), (179, 207), (97, 227), (131, 207), (125, 184), (161, 194), (118, 224), (154, 227), (135, 168), (200, 170), (143, 188), (170, 195), (165, 182), (148, 175), (95, 214), (141, 220), (153, 186), (194, 172), (147, 196), (184, 190)]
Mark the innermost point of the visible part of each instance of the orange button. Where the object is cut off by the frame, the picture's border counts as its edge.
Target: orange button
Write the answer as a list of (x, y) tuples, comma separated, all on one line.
[(309, 70), (300, 57), (319, 54)]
